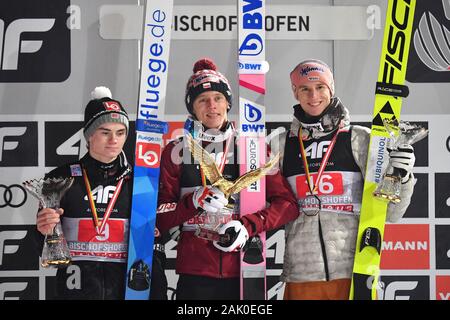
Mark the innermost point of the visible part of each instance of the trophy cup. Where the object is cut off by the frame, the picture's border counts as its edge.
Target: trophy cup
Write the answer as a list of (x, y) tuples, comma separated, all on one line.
[(49, 193), (401, 133), (210, 223)]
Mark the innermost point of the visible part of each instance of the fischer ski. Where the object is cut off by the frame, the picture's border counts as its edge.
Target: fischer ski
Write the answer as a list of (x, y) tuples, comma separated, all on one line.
[(150, 127), (252, 148), (389, 91)]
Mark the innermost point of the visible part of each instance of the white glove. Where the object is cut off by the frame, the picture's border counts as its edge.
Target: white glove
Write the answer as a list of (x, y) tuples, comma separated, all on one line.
[(403, 159), (210, 199), (238, 236)]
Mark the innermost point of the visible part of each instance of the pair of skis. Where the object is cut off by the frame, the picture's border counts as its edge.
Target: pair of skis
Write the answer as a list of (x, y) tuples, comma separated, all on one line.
[(388, 101), (150, 127), (252, 147)]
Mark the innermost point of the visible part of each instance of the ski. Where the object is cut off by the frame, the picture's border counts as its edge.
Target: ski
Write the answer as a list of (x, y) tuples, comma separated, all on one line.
[(150, 127), (388, 101), (252, 149)]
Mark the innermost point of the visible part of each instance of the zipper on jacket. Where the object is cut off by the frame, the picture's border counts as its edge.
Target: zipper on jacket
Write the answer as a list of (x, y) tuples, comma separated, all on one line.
[(324, 253)]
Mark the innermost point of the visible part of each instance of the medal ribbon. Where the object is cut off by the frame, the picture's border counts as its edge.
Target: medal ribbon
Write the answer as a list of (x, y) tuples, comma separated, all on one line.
[(313, 187), (100, 225), (222, 163)]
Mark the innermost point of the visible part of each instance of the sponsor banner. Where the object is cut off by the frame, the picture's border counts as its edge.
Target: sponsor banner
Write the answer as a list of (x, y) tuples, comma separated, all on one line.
[(19, 144), (406, 246), (418, 208), (60, 132), (176, 130), (404, 288), (219, 22), (19, 288), (442, 194), (153, 79), (439, 142), (17, 206), (17, 242), (63, 140), (275, 245), (443, 287), (430, 48), (34, 41), (275, 288), (442, 240)]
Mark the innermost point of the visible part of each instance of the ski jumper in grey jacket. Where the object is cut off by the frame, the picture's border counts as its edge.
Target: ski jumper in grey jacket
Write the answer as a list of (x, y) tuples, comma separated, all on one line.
[(326, 252)]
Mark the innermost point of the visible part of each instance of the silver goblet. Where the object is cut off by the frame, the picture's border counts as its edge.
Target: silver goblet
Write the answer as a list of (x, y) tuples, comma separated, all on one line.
[(49, 193), (401, 132)]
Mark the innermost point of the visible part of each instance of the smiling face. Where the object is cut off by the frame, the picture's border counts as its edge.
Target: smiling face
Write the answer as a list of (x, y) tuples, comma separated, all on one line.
[(107, 141), (210, 108), (314, 97)]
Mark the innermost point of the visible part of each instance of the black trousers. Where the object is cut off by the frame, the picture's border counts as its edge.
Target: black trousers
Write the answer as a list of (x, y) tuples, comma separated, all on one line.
[(158, 290), (190, 287)]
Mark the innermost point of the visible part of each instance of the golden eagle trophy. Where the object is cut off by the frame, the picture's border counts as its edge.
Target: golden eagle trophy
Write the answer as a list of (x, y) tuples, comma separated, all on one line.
[(211, 222)]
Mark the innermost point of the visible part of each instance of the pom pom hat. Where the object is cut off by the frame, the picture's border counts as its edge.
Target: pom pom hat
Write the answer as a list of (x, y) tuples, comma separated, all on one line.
[(309, 71), (102, 109), (206, 78)]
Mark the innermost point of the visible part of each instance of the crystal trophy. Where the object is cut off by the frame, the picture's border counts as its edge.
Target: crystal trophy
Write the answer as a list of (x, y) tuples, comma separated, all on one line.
[(401, 132), (49, 193), (210, 222)]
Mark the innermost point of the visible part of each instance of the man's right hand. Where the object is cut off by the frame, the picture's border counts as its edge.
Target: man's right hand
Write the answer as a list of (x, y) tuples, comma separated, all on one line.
[(209, 198), (47, 219)]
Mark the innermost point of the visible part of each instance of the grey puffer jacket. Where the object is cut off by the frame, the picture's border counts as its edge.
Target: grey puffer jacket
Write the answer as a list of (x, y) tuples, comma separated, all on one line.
[(306, 257)]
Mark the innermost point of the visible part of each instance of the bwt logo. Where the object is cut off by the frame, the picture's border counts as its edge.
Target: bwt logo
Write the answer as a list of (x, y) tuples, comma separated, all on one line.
[(5, 237), (34, 41), (250, 66), (253, 128), (253, 67), (252, 19), (147, 154), (252, 113)]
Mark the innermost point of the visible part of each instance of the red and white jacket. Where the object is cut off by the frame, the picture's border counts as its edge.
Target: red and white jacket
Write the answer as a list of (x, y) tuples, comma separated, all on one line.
[(178, 180)]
